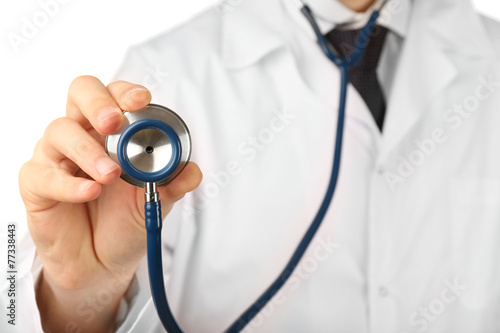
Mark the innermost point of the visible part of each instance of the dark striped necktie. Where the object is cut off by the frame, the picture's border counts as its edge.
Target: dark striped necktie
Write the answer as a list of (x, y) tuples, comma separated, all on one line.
[(363, 75)]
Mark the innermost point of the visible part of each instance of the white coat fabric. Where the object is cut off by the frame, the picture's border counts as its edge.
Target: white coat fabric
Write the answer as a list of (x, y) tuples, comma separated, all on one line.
[(411, 240)]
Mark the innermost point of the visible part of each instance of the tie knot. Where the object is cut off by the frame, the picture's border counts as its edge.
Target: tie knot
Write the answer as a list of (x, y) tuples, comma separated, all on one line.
[(344, 42), (362, 74)]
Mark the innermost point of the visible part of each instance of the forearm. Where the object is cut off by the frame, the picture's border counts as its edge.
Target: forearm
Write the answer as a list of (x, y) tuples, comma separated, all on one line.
[(84, 310)]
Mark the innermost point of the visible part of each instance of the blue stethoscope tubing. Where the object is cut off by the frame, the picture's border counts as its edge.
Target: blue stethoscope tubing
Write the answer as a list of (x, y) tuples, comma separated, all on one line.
[(152, 211), (153, 214), (154, 223), (343, 65)]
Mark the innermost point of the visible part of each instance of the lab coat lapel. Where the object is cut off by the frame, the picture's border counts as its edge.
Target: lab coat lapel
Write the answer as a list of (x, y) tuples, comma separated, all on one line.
[(439, 33), (249, 32), (428, 62), (255, 29)]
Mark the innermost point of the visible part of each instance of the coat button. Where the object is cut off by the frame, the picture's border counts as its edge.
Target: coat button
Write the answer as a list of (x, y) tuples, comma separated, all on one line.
[(381, 170), (383, 291)]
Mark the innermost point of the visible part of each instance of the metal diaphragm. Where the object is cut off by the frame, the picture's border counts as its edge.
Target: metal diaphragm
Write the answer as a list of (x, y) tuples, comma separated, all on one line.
[(153, 144)]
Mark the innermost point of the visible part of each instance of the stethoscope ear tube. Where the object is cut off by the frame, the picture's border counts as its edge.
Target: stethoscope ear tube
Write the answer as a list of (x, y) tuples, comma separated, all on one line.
[(359, 47), (278, 283), (343, 65), (176, 133)]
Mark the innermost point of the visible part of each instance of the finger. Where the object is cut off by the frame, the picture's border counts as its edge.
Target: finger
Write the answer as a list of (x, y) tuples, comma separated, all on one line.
[(91, 105), (129, 96), (49, 183), (66, 139), (185, 182)]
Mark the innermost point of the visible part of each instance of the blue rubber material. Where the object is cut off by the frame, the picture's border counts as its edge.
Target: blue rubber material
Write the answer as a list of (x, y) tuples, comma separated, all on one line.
[(261, 302), (343, 65), (153, 211), (155, 266), (359, 47), (130, 169)]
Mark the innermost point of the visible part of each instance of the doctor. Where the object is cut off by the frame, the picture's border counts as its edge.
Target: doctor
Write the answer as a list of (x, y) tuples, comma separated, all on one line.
[(411, 242)]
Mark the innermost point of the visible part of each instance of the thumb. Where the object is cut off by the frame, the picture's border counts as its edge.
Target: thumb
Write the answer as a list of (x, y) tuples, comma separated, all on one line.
[(188, 180)]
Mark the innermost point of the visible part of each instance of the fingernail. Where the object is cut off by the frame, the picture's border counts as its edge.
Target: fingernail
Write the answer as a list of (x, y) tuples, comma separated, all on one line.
[(105, 165), (136, 95), (107, 116)]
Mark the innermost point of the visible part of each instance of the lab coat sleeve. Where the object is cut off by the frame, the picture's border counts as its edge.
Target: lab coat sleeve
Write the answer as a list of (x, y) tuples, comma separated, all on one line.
[(136, 312), (28, 268)]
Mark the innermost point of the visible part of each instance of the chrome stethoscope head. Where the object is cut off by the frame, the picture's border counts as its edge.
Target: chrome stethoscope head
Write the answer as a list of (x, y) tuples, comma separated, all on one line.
[(153, 145)]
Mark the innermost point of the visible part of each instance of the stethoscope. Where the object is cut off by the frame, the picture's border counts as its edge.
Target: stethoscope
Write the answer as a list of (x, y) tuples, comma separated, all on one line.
[(153, 146)]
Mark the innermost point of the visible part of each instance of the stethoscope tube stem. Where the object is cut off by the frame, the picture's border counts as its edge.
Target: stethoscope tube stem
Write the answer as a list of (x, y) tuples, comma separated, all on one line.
[(154, 222), (153, 207)]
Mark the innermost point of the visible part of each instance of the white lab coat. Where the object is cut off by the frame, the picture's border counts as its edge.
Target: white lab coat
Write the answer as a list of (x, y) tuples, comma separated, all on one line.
[(411, 241)]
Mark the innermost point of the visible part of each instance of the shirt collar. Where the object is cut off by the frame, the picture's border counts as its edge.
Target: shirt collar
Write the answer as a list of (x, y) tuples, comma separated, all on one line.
[(395, 15), (251, 29)]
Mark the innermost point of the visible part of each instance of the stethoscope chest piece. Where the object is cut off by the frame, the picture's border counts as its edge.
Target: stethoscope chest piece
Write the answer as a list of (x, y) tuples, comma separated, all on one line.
[(153, 145)]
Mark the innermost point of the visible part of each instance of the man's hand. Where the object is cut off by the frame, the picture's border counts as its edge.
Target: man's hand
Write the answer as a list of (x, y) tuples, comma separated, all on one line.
[(87, 224)]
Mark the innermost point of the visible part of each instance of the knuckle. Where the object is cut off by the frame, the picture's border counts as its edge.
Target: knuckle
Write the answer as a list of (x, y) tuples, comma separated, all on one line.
[(57, 176), (94, 108), (37, 151), (119, 83), (56, 125), (82, 79), (67, 165), (101, 102), (25, 180), (85, 147), (23, 171), (39, 144)]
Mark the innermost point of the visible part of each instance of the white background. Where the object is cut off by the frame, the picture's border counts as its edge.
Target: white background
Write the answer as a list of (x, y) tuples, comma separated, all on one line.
[(81, 37)]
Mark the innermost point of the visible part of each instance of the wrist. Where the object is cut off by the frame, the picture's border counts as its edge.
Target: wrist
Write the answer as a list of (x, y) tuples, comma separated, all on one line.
[(90, 309)]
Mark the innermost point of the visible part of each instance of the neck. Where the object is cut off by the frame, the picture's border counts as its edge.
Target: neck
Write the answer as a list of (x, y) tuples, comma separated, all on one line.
[(358, 5)]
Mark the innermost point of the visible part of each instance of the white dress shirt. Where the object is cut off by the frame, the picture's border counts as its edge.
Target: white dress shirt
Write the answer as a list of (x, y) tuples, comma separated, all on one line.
[(410, 242)]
